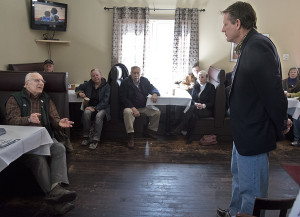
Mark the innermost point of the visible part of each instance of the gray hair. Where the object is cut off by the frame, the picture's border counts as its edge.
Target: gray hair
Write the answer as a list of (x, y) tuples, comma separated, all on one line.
[(28, 77), (134, 67), (203, 72)]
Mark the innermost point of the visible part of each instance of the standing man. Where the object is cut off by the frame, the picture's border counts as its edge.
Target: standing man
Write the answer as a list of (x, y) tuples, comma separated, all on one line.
[(133, 97), (258, 108), (96, 93), (48, 65), (33, 107)]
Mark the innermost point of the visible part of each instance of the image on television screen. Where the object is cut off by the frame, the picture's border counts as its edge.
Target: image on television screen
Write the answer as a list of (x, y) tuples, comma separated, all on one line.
[(50, 15)]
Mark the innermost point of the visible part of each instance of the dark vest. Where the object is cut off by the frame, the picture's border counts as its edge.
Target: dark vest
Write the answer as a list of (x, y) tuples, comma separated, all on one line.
[(24, 104)]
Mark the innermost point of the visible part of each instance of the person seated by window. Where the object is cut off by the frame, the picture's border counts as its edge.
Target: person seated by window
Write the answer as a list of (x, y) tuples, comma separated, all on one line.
[(203, 101), (292, 83), (33, 107), (133, 97), (189, 81), (291, 86), (48, 65), (96, 93)]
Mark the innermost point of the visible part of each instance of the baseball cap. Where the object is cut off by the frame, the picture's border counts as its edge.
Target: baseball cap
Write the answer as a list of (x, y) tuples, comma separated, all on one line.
[(48, 61)]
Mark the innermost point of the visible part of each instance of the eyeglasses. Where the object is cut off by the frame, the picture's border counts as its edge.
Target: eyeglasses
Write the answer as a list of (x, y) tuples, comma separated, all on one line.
[(39, 80)]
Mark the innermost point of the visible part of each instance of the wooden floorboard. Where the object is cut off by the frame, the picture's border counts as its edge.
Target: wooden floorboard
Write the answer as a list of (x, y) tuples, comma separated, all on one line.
[(169, 178)]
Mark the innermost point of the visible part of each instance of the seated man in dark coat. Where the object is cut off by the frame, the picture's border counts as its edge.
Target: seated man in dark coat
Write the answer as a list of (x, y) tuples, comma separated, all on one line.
[(96, 93), (203, 101), (133, 97)]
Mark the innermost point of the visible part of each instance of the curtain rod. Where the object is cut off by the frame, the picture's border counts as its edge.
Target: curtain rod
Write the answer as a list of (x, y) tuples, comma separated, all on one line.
[(157, 9)]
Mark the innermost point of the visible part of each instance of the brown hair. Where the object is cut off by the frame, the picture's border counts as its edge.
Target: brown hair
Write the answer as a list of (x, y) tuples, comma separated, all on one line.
[(244, 12)]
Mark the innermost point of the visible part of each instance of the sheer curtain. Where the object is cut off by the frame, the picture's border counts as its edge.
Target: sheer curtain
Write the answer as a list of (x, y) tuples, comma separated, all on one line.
[(186, 42), (130, 36)]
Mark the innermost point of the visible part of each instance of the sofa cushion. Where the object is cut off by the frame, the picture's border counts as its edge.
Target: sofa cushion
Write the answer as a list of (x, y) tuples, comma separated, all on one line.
[(27, 67)]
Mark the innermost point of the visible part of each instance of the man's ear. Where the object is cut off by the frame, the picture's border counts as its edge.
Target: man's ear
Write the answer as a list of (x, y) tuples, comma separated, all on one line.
[(238, 23)]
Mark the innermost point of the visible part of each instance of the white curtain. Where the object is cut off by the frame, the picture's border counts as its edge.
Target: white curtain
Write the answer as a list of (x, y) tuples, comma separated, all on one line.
[(186, 42), (130, 36)]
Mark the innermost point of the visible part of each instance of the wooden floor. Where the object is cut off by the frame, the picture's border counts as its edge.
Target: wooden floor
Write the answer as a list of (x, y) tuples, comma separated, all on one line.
[(156, 179)]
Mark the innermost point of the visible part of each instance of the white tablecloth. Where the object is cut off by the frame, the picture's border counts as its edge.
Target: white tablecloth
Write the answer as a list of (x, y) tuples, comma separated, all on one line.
[(73, 97), (175, 96), (293, 107), (33, 140)]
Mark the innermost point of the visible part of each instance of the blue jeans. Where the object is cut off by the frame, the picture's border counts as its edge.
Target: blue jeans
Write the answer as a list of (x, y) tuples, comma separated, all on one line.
[(250, 179), (296, 123), (87, 122)]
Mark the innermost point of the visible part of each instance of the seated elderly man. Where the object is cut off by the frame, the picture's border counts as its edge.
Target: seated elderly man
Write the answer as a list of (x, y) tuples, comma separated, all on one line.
[(133, 97), (33, 107), (96, 94), (203, 101)]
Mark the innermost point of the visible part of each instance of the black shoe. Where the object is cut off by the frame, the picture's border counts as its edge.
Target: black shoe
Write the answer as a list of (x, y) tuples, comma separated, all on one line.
[(60, 195), (223, 213), (63, 208)]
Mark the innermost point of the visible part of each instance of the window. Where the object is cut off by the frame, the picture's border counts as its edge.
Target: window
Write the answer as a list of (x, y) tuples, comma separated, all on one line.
[(160, 62)]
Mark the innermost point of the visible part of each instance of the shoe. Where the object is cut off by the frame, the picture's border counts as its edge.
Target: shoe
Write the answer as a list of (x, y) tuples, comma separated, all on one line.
[(295, 143), (63, 208), (150, 134), (130, 143), (93, 145), (85, 142), (60, 195), (223, 213)]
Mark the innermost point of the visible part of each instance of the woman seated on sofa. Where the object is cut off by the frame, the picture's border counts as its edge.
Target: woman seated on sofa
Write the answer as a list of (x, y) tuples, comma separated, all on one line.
[(203, 101), (292, 86), (292, 83)]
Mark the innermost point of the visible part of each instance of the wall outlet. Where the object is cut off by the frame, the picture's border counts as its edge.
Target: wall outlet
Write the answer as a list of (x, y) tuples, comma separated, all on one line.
[(285, 57)]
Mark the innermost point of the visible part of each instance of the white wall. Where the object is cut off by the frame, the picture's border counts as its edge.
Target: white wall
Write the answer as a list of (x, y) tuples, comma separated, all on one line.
[(90, 29)]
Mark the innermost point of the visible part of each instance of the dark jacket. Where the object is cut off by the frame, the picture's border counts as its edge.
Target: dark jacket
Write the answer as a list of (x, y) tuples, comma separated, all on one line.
[(128, 91), (207, 96), (123, 75), (291, 89), (104, 94), (258, 105), (25, 107)]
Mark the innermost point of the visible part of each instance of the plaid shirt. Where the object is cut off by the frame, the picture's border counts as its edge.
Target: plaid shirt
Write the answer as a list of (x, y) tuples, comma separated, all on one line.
[(239, 46), (13, 112)]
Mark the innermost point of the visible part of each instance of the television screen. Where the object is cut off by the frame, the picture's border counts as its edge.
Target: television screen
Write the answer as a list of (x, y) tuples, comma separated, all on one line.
[(47, 15)]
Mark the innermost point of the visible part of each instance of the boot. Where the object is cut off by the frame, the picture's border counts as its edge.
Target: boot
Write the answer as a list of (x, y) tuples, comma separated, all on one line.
[(130, 143)]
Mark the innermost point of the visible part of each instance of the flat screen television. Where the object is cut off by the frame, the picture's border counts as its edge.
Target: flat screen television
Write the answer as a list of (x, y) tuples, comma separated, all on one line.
[(48, 15)]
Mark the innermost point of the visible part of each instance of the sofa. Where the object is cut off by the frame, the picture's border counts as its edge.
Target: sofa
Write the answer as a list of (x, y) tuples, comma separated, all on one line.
[(27, 67)]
